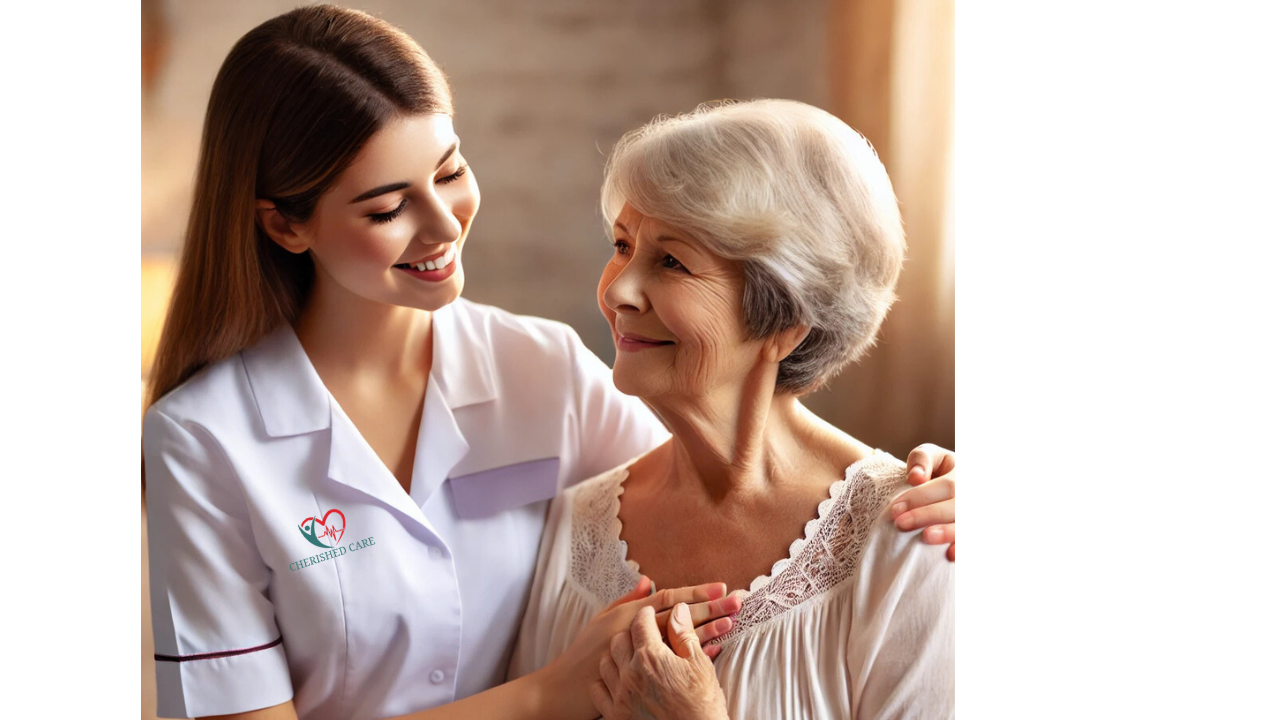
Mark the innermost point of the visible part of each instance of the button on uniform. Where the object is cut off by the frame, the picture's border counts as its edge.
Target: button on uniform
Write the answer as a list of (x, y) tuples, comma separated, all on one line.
[(437, 676)]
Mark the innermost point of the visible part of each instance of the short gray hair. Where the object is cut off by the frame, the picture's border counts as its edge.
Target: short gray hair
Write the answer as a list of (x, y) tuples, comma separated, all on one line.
[(796, 195)]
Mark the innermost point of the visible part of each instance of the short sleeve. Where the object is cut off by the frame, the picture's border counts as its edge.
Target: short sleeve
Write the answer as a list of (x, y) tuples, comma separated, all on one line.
[(903, 643), (613, 428), (218, 649)]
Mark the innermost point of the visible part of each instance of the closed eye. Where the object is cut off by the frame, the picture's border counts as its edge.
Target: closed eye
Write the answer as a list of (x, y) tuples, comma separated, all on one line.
[(462, 170), (390, 215)]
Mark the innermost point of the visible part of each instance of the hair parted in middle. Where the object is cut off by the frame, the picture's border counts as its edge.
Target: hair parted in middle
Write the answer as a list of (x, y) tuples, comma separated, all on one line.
[(796, 195)]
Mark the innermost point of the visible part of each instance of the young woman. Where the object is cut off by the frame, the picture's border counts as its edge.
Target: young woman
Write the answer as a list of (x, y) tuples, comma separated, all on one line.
[(318, 375)]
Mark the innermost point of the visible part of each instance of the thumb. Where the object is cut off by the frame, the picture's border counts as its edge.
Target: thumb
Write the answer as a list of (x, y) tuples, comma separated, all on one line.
[(684, 639)]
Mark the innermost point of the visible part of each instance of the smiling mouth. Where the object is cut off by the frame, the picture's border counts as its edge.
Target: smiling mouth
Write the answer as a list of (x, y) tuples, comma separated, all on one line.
[(634, 343), (438, 262)]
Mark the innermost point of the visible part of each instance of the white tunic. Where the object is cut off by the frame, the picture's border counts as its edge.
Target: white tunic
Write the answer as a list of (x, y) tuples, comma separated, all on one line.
[(857, 623), (287, 560)]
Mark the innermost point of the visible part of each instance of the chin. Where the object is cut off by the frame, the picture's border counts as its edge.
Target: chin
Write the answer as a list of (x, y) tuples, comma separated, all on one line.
[(637, 384), (442, 295)]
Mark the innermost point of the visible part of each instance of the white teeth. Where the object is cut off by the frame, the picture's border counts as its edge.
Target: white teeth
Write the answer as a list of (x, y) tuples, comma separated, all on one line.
[(439, 263)]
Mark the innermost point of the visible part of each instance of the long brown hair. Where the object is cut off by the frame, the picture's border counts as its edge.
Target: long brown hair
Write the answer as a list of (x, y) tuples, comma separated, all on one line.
[(292, 105)]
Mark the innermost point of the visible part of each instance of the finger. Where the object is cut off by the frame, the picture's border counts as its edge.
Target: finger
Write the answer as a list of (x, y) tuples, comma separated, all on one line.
[(684, 639), (703, 613), (620, 649), (644, 630), (939, 513), (940, 534), (641, 591), (951, 552), (601, 698), (609, 673), (712, 650), (667, 599), (714, 630), (943, 488), (928, 493), (928, 460)]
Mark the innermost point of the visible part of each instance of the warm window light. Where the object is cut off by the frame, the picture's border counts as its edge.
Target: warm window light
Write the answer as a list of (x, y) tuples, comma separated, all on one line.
[(157, 284)]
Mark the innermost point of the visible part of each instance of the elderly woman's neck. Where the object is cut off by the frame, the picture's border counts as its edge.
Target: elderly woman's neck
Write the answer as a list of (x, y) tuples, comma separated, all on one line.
[(737, 446)]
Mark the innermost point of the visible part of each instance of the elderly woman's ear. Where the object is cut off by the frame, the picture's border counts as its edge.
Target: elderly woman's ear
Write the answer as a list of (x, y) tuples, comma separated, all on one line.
[(780, 345)]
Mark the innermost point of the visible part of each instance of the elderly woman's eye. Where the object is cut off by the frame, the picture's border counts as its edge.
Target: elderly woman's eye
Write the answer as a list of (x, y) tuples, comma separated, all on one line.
[(621, 247), (671, 263)]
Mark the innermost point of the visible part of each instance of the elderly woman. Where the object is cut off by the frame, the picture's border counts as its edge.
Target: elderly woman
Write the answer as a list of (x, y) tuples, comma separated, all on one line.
[(757, 245)]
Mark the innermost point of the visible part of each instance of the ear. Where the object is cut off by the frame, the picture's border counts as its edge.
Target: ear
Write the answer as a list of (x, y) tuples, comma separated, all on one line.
[(278, 228), (783, 343)]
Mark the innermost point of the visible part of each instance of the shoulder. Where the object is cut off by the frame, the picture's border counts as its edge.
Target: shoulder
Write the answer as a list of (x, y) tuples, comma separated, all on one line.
[(889, 557), (509, 331), (210, 398)]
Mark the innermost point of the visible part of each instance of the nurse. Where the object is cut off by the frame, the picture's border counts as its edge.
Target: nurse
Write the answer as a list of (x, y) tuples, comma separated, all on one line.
[(348, 466)]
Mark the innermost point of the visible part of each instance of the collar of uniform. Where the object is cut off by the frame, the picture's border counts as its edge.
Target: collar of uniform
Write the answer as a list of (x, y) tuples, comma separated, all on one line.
[(291, 398), (463, 364)]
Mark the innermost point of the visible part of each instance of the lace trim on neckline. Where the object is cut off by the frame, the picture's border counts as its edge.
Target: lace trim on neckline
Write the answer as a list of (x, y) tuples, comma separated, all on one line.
[(834, 493), (828, 553)]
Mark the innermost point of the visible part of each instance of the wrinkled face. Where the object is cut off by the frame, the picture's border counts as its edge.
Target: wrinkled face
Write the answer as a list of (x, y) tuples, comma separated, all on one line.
[(392, 227), (676, 313)]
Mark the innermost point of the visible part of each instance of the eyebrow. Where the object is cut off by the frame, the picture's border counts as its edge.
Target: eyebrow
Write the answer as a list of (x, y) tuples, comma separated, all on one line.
[(392, 187)]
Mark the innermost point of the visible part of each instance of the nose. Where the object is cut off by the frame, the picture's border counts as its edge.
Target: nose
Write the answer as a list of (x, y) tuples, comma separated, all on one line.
[(625, 293), (439, 224)]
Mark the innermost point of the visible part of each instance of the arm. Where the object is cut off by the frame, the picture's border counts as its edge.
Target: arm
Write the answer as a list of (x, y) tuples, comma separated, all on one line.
[(559, 691), (901, 652)]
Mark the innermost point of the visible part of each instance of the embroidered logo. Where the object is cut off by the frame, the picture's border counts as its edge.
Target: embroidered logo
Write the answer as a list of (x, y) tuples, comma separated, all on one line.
[(323, 534)]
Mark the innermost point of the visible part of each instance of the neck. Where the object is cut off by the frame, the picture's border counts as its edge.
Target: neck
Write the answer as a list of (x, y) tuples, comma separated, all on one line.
[(744, 440), (357, 337)]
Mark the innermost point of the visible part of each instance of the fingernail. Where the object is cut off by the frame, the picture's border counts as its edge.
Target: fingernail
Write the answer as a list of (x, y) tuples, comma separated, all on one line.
[(682, 615), (933, 533), (904, 521), (898, 508)]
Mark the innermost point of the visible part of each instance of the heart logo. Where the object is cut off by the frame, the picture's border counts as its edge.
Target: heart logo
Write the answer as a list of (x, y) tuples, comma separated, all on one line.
[(319, 531)]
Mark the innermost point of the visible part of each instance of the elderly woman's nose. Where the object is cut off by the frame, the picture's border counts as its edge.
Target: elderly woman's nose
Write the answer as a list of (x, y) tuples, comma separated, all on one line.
[(626, 292)]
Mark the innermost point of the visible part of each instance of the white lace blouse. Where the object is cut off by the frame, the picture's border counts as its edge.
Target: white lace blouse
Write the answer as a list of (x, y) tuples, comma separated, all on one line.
[(857, 622)]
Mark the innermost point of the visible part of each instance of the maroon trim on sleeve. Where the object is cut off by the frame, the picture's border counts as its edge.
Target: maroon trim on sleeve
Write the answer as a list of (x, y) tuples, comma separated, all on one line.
[(220, 654)]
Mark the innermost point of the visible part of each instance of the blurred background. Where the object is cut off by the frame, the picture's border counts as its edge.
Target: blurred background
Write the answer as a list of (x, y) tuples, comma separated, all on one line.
[(542, 91)]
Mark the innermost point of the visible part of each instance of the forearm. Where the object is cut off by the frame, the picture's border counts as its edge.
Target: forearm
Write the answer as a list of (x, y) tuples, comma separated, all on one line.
[(539, 695), (542, 694)]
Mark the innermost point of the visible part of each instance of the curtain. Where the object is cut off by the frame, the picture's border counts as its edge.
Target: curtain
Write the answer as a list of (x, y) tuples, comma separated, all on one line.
[(892, 79)]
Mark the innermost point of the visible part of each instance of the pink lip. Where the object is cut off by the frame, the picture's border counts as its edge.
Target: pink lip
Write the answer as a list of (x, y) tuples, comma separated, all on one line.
[(433, 275), (636, 343)]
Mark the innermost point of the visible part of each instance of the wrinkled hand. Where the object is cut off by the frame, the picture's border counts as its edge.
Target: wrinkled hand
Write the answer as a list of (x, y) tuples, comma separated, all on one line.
[(578, 666), (931, 504), (640, 677)]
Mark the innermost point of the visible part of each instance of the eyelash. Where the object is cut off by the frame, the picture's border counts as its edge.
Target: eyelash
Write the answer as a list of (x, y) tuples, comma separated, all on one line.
[(390, 215), (621, 247), (387, 217)]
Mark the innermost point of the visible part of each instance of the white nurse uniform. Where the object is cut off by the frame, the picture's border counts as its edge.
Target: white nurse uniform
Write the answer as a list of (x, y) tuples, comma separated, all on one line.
[(288, 562)]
